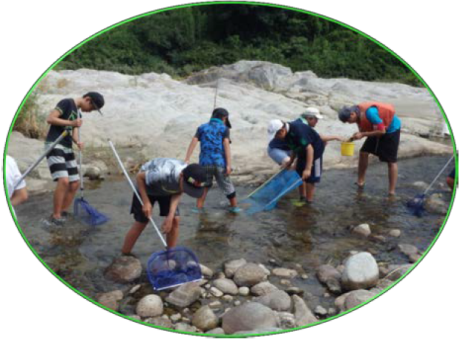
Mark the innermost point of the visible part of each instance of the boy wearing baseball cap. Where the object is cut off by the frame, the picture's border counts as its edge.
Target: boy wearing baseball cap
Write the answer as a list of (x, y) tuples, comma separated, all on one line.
[(61, 160), (163, 180), (215, 157)]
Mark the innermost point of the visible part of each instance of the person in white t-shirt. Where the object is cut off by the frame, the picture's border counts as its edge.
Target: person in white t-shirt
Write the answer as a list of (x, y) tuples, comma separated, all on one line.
[(18, 195)]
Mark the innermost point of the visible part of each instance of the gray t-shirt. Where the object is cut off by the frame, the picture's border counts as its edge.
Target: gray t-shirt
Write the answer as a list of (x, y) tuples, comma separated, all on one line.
[(162, 176)]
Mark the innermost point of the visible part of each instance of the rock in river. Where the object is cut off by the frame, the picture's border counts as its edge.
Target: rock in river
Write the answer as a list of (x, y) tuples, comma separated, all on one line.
[(185, 295), (361, 272), (227, 286), (276, 300), (205, 319), (149, 306), (124, 269), (248, 317), (249, 275)]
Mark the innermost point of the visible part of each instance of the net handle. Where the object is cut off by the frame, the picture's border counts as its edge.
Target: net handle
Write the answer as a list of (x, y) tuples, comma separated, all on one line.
[(296, 183), (440, 172), (135, 191)]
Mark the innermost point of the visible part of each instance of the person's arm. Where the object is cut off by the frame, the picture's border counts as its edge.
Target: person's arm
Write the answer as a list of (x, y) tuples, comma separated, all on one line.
[(326, 138), (288, 164), (168, 222), (54, 118), (228, 156), (310, 154), (191, 148), (147, 208), (372, 114), (19, 196)]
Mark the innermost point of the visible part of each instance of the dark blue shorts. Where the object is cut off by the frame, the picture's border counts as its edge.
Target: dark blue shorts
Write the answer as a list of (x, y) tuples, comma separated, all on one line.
[(452, 174), (316, 169)]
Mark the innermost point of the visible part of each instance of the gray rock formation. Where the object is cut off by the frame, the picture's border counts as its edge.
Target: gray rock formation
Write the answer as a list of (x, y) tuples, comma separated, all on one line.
[(185, 295), (124, 269), (248, 317), (249, 275), (361, 272)]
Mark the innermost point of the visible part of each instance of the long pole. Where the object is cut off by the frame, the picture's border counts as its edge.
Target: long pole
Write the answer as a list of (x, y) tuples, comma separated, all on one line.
[(135, 191)]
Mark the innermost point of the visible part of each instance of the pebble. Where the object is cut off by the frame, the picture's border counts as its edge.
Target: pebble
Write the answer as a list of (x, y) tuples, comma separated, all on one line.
[(284, 273), (320, 310), (395, 233), (215, 292), (176, 317), (285, 282), (243, 291), (135, 289)]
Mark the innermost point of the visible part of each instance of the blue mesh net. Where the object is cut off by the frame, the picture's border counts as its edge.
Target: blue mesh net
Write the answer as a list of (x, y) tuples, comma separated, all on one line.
[(173, 267), (268, 196), (84, 212)]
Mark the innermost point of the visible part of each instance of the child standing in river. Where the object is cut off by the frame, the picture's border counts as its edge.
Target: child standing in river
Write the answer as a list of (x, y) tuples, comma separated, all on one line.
[(215, 156), (61, 160)]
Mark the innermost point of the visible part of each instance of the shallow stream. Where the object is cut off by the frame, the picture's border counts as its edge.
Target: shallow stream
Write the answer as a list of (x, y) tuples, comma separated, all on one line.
[(308, 236)]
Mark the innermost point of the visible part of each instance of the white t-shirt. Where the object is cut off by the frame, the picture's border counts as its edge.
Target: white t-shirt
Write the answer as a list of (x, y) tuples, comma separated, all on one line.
[(12, 174)]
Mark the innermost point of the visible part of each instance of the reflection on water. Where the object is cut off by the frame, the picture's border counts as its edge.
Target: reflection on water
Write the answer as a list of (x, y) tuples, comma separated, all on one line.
[(308, 236)]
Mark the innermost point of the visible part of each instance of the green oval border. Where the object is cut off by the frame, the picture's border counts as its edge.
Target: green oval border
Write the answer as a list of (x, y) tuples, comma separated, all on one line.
[(234, 3)]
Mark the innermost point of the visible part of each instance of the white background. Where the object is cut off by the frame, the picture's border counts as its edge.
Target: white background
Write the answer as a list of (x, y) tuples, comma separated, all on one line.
[(36, 33)]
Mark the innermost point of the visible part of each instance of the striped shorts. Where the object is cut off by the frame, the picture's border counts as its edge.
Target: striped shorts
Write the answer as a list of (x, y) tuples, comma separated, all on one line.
[(62, 163)]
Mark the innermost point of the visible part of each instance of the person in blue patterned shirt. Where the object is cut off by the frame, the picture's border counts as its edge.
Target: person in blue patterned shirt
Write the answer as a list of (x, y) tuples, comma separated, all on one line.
[(215, 156)]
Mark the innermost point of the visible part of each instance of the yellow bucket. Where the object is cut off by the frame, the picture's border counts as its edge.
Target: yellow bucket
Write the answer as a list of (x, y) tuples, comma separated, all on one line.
[(348, 148)]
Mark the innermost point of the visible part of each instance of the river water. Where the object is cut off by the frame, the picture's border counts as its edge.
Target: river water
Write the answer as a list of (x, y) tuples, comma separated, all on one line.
[(295, 237)]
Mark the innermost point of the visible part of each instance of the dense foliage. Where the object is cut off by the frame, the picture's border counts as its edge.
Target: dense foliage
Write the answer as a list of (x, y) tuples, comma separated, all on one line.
[(182, 41)]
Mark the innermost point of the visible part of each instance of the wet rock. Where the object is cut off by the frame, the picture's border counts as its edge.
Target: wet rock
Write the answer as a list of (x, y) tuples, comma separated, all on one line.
[(303, 314), (286, 320), (248, 317), (334, 286), (249, 275), (260, 331), (435, 204), (263, 288), (408, 249), (397, 271), (135, 289), (135, 317), (176, 317), (215, 304), (227, 298), (320, 311), (356, 298), (124, 270), (111, 299), (227, 286), (284, 273), (395, 233), (382, 285), (206, 271), (304, 276), (216, 292), (217, 330), (183, 327), (362, 230), (243, 291), (420, 185), (232, 266), (266, 270), (361, 272), (185, 295), (149, 306), (205, 319), (327, 272), (160, 322), (414, 258), (276, 300)]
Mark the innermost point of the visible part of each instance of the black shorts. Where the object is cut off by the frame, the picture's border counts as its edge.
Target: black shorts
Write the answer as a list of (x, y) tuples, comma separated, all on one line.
[(164, 202), (452, 174), (385, 147), (316, 169)]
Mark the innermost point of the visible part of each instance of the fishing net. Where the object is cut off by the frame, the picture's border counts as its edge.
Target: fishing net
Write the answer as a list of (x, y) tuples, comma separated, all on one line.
[(84, 212), (416, 205), (173, 267), (266, 198)]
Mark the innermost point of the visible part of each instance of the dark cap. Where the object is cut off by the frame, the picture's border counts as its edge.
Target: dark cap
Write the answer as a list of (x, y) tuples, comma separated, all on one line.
[(219, 113), (345, 112), (97, 100), (194, 180)]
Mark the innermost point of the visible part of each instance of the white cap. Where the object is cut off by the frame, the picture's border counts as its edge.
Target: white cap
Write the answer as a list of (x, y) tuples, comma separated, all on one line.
[(273, 127), (312, 112)]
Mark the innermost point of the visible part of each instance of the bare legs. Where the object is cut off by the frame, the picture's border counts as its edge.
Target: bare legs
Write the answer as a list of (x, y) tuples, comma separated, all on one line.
[(63, 196), (138, 227), (392, 172)]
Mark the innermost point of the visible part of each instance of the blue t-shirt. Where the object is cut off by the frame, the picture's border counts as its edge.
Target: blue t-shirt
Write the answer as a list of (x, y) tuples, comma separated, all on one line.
[(372, 114), (211, 137), (300, 136)]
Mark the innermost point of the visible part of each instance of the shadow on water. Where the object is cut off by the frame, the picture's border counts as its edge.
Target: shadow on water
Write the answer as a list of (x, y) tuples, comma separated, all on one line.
[(298, 237)]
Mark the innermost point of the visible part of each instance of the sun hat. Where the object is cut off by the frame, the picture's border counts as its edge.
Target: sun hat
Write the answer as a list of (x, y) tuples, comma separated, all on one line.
[(312, 112), (273, 127)]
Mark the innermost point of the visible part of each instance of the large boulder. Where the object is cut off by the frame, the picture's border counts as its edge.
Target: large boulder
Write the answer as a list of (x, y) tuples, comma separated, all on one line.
[(205, 319), (361, 272), (250, 316), (149, 306), (124, 269), (249, 275), (185, 295), (303, 314), (276, 300)]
